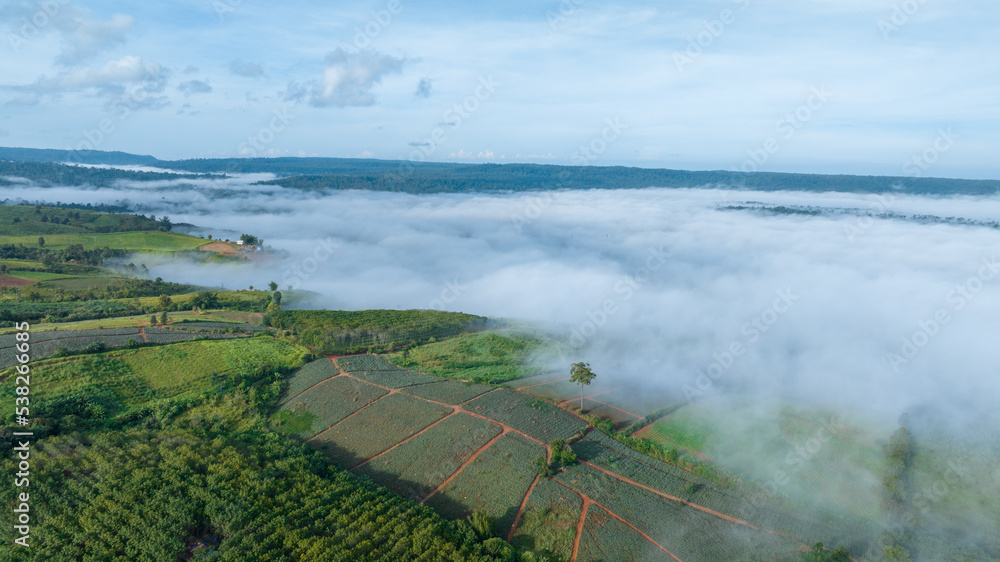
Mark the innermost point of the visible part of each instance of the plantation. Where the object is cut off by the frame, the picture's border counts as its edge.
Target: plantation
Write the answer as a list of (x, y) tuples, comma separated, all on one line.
[(48, 344), (692, 534), (532, 416), (308, 376), (332, 332), (496, 482), (355, 363), (449, 392), (385, 423), (324, 405), (607, 538), (548, 523), (209, 326), (492, 357), (377, 370), (413, 473), (540, 378)]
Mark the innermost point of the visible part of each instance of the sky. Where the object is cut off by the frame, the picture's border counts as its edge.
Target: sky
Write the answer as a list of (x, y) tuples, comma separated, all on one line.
[(888, 87)]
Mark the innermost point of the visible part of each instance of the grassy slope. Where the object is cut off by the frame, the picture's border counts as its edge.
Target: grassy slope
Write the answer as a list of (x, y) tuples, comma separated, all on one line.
[(481, 357), (154, 242)]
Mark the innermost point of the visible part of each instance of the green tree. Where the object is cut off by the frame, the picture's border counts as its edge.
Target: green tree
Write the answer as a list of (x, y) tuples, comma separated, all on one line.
[(895, 554), (276, 297), (163, 318), (581, 374), (273, 286), (152, 320), (165, 302), (41, 241)]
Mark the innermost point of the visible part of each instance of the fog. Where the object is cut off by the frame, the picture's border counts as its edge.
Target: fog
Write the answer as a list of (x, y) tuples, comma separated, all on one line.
[(659, 287)]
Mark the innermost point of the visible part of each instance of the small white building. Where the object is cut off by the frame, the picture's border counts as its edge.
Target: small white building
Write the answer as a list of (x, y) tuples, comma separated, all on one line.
[(239, 242)]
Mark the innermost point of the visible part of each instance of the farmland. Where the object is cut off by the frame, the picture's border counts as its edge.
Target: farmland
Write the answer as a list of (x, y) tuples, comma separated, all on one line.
[(507, 467), (308, 376), (325, 404), (449, 392), (535, 418), (386, 422), (548, 523), (149, 242), (410, 471), (606, 538)]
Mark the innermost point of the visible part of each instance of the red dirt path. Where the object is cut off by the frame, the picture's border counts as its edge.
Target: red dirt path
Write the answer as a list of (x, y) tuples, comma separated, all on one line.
[(467, 463), (520, 510), (8, 281), (579, 532)]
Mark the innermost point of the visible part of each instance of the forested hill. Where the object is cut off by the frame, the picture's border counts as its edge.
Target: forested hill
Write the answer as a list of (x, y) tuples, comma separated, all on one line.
[(423, 177)]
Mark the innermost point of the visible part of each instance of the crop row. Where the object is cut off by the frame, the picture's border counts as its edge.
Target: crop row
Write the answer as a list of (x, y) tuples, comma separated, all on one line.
[(607, 538), (527, 414), (331, 402), (377, 428), (548, 523), (398, 378), (309, 375), (449, 392), (687, 532), (354, 363), (496, 481), (200, 326), (416, 468)]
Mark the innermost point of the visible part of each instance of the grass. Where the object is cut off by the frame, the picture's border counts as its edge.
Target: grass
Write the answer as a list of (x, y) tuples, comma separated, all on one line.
[(496, 482), (481, 357), (548, 524), (410, 471), (152, 242), (385, 423), (39, 275), (16, 264), (120, 380)]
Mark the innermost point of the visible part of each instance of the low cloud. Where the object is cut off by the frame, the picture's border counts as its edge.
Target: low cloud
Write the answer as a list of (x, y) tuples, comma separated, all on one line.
[(109, 80)]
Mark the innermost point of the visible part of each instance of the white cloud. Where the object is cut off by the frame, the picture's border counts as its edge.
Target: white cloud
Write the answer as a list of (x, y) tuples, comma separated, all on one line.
[(110, 80), (194, 87), (348, 79)]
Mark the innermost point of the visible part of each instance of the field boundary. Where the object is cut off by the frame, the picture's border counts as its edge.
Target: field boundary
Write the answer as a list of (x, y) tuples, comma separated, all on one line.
[(520, 510), (465, 464)]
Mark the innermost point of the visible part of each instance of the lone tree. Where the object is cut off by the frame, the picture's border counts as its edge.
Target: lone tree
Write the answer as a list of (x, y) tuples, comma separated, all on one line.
[(273, 286), (581, 374), (41, 241)]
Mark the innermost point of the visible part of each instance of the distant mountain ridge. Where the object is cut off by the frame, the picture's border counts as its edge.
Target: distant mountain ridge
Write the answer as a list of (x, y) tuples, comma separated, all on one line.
[(442, 177)]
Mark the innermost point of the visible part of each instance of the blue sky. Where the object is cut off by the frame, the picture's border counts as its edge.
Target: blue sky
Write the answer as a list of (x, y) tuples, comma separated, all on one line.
[(833, 86)]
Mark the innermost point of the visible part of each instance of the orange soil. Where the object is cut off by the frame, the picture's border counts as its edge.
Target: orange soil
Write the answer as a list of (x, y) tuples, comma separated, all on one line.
[(520, 510), (219, 247), (8, 281)]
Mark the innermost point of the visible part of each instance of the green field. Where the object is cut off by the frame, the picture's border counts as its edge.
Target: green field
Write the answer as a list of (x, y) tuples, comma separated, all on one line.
[(151, 242), (482, 357)]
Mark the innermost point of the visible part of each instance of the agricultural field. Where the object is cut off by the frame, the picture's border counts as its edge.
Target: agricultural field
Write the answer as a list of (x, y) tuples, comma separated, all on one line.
[(324, 405), (496, 481), (114, 382), (410, 471), (606, 539), (395, 378), (141, 320), (548, 522), (149, 242), (356, 363), (385, 423), (449, 392), (492, 357), (308, 376), (541, 378), (828, 459), (532, 416), (687, 532), (192, 325)]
